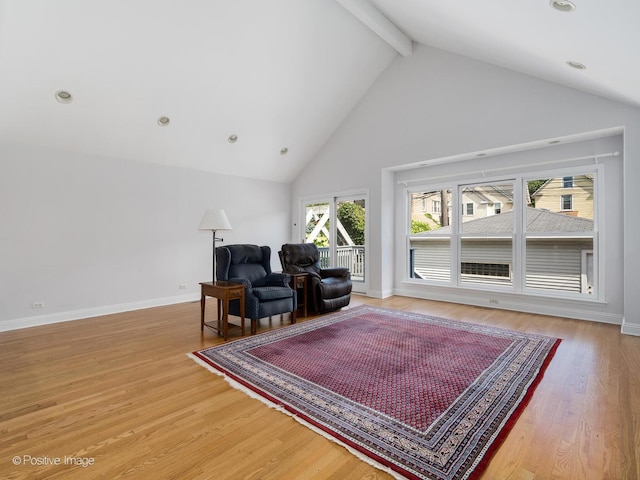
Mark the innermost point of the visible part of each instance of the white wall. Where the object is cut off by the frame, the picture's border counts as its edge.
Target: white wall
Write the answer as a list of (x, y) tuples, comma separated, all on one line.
[(434, 104), (90, 235)]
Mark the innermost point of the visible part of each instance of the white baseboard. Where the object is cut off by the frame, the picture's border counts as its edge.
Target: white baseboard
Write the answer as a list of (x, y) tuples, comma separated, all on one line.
[(93, 312), (545, 307), (630, 328), (380, 293), (603, 317)]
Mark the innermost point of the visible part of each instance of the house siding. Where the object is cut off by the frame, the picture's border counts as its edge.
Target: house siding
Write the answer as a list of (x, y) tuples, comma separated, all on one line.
[(432, 259), (556, 265), (551, 264), (549, 196)]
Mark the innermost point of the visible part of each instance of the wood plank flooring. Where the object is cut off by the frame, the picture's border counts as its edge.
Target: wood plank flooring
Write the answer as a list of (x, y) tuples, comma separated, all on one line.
[(120, 393)]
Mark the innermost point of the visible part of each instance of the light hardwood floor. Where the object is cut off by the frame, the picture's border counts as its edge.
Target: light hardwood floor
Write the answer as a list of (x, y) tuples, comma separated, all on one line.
[(120, 391)]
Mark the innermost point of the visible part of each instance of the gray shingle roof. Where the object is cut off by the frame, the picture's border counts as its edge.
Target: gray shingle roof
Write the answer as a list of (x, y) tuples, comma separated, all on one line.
[(544, 221), (537, 221)]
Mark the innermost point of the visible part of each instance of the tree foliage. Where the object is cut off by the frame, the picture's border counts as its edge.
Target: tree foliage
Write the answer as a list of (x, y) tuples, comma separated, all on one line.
[(351, 216), (418, 227), (533, 186)]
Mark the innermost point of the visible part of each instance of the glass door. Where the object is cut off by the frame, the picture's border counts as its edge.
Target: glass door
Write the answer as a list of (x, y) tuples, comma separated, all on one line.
[(317, 229), (342, 242)]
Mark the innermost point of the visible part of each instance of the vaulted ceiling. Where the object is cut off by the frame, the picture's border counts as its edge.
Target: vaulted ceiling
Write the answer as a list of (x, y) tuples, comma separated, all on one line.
[(280, 75), (534, 38)]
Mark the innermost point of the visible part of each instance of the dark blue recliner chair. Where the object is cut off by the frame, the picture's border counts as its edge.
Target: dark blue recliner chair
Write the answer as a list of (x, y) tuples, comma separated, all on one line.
[(266, 293)]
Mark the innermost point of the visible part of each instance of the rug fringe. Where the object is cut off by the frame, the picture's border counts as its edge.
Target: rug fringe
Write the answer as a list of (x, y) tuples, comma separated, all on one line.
[(236, 385), (279, 408)]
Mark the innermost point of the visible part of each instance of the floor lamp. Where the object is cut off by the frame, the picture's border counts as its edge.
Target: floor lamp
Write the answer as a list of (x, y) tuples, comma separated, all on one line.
[(215, 220)]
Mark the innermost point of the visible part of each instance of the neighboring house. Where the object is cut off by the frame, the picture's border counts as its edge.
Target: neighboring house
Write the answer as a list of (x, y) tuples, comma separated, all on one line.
[(430, 202), (427, 207), (572, 195), (485, 201), (477, 202), (552, 263)]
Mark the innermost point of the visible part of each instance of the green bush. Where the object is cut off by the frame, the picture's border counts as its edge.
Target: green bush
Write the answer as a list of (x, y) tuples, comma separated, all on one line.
[(418, 227)]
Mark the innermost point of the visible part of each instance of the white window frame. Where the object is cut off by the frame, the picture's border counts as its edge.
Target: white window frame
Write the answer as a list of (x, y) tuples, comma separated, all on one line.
[(520, 235)]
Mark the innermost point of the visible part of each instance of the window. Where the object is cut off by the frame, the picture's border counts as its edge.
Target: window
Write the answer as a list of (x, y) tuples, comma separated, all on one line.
[(485, 240), (542, 242), (337, 226), (420, 203), (437, 206), (467, 209), (430, 239), (485, 269), (567, 182), (556, 242)]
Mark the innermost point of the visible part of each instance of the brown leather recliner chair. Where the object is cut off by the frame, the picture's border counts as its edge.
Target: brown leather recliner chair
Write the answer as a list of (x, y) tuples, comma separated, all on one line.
[(329, 288)]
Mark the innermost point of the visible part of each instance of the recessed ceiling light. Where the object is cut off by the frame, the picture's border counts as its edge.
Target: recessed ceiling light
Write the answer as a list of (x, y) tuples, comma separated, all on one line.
[(563, 5), (163, 121), (284, 151), (233, 138), (63, 96), (576, 65)]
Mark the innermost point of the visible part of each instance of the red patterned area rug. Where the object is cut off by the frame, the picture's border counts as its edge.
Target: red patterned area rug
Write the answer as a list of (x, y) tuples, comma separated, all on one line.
[(418, 396)]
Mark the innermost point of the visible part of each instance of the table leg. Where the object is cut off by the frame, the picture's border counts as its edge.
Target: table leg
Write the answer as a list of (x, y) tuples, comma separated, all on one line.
[(225, 319), (242, 312), (219, 314), (304, 296), (202, 302)]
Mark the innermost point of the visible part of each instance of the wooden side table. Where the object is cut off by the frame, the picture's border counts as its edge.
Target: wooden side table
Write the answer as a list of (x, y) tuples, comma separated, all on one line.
[(299, 281), (223, 292)]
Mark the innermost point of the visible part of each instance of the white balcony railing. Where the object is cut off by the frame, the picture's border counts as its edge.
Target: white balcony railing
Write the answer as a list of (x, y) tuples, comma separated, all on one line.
[(349, 256)]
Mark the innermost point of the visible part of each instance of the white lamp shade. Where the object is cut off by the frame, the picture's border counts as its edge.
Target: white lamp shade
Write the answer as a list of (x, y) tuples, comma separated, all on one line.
[(215, 220)]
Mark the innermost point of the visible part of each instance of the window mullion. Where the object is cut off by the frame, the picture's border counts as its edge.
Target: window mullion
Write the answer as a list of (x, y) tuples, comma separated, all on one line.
[(456, 221), (519, 208)]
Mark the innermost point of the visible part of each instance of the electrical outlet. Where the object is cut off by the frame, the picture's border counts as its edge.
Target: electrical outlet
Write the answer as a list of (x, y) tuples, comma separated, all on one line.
[(37, 305), (182, 286), (494, 301)]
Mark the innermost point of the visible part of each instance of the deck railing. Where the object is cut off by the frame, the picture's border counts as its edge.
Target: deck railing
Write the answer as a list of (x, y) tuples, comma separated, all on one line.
[(349, 256)]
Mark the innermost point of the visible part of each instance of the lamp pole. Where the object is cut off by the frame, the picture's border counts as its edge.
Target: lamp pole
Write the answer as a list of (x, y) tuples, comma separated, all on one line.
[(213, 275)]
